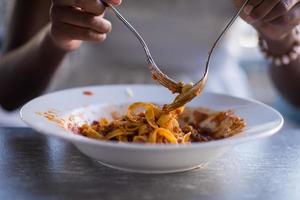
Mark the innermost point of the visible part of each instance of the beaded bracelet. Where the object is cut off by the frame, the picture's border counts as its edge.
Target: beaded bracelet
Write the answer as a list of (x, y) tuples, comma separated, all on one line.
[(286, 58)]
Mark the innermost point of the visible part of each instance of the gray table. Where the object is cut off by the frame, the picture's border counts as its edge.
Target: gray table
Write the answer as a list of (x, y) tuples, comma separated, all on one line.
[(35, 167)]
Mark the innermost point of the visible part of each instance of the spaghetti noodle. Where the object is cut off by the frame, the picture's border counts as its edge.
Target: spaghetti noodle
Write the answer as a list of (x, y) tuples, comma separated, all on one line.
[(148, 123)]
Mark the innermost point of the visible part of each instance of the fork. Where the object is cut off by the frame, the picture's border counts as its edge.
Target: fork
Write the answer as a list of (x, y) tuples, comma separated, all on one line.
[(157, 74), (186, 92)]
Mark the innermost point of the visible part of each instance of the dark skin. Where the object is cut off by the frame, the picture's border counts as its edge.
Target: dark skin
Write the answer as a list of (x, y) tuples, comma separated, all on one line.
[(287, 78), (26, 67), (26, 71), (35, 47), (275, 20)]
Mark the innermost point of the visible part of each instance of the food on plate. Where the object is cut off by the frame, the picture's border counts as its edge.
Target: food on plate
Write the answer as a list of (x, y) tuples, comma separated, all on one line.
[(149, 123)]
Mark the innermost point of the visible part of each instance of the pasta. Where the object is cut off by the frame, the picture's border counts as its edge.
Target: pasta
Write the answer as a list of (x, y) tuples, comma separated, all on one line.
[(148, 123)]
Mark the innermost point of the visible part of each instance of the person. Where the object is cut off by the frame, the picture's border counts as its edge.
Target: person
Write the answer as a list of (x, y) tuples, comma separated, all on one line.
[(277, 23), (39, 53)]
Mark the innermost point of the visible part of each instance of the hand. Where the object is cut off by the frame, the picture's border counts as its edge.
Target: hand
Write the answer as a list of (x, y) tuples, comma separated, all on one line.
[(274, 19), (74, 21)]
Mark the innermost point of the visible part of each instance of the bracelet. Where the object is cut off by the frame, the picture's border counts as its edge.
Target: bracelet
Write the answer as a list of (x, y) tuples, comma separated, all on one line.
[(286, 58)]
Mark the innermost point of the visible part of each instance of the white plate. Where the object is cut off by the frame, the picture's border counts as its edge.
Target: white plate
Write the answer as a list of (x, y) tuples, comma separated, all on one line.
[(262, 121)]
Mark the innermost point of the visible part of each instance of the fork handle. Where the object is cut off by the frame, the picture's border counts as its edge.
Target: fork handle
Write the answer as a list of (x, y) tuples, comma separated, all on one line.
[(157, 74)]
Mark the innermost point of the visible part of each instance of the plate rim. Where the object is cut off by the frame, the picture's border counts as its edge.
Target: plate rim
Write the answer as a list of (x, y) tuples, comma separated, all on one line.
[(88, 141)]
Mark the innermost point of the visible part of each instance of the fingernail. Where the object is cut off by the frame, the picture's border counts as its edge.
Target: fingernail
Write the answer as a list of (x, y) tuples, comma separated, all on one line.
[(116, 2), (248, 9)]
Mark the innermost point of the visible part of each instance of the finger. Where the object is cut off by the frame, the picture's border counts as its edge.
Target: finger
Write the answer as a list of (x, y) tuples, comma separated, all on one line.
[(78, 18), (114, 2), (280, 9), (95, 7), (292, 18), (65, 31), (262, 10), (251, 5)]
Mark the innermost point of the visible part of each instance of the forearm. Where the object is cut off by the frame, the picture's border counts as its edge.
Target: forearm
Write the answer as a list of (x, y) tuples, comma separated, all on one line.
[(286, 78), (26, 71)]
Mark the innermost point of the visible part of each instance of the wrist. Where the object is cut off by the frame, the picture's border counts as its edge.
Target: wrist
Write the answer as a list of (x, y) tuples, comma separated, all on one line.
[(282, 51), (51, 44), (61, 44), (281, 45), (48, 50)]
